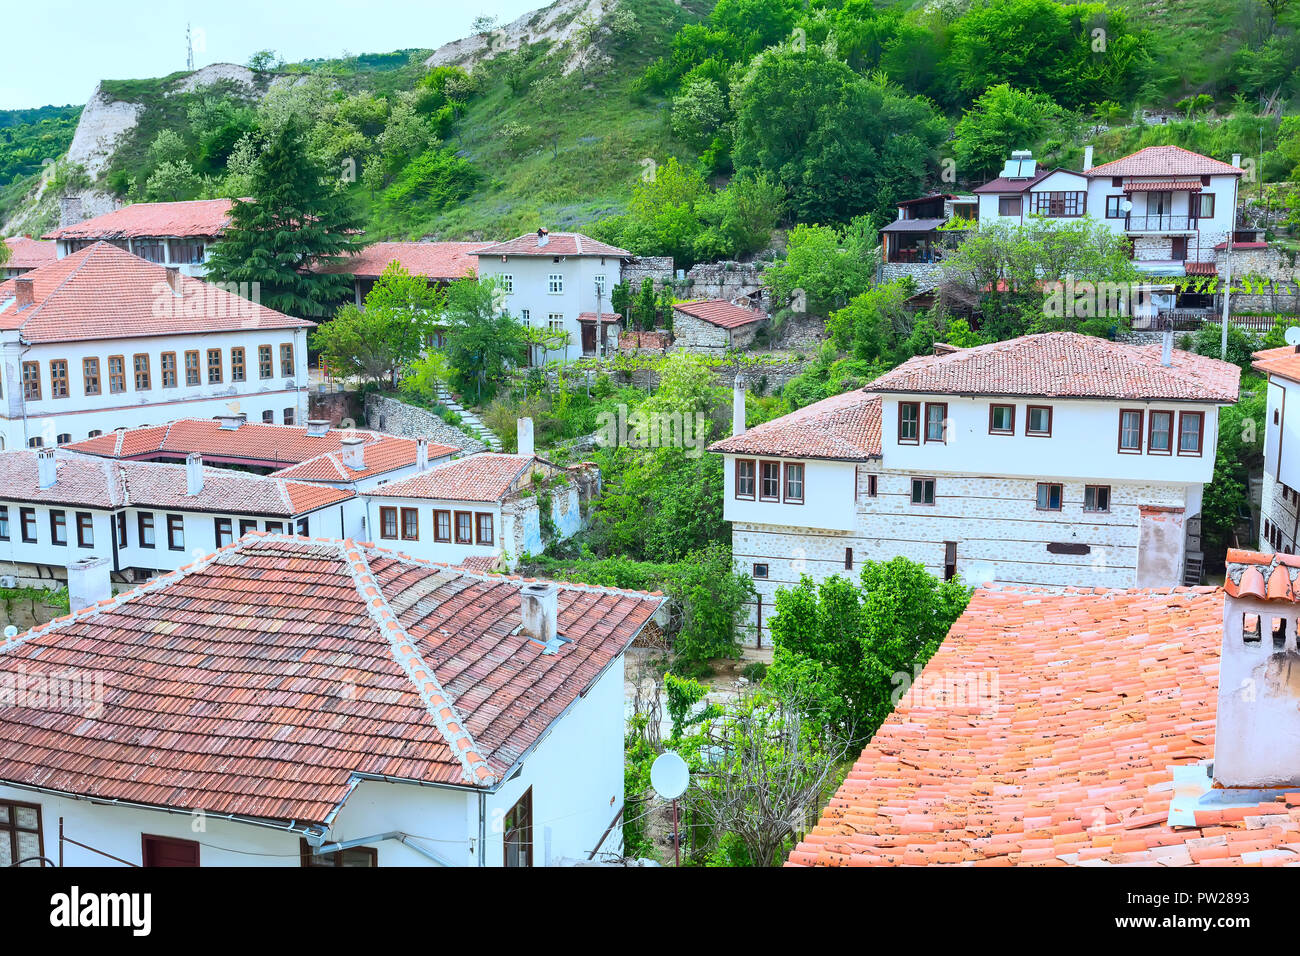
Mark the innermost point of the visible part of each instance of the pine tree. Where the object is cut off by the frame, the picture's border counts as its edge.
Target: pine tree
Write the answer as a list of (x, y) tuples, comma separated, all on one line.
[(296, 221)]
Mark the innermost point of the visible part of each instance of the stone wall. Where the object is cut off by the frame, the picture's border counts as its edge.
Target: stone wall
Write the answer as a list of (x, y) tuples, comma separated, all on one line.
[(926, 275), (695, 335), (645, 343), (387, 414), (658, 269), (800, 333), (726, 280)]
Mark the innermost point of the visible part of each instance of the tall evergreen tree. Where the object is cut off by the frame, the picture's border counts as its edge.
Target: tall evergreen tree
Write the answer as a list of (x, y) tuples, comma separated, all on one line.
[(297, 219)]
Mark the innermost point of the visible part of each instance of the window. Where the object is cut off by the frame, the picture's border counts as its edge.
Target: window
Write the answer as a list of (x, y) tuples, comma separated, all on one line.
[(176, 532), (848, 559), (936, 422), (63, 438), (949, 560), (1096, 498), (464, 527), (1190, 427), (769, 486), (745, 471), (20, 834), (1058, 204), (268, 417), (555, 321), (1130, 430), (237, 365), (1114, 207), (214, 366), (483, 528), (90, 375), (760, 571), (909, 423), (507, 283), (85, 530), (225, 531), (1159, 433), (302, 527), (555, 283), (4, 522), (1002, 419), (144, 523), (1038, 420), (246, 525), (264, 361), (1008, 205), (116, 374), (150, 250), (1049, 496), (1203, 206), (275, 527), (288, 416), (388, 523), (121, 529), (140, 364), (794, 483), (31, 381), (872, 486), (58, 378), (28, 518), (442, 526), (286, 360), (519, 832), (410, 524), (352, 856), (186, 252), (922, 491), (524, 316), (37, 442), (58, 527), (167, 362)]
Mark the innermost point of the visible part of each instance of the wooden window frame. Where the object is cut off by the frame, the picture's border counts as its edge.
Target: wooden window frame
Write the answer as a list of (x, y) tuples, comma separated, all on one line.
[(873, 486), (5, 530), (1151, 430), (437, 533), (785, 483), (753, 495), (1029, 415), (286, 360), (386, 512), (1011, 430), (273, 527), (289, 415), (401, 526), (1200, 434), (479, 537), (145, 519), (175, 523), (195, 368), (1004, 201), (85, 522), (1060, 496), (218, 367), (916, 439), (31, 381), (943, 423), (246, 525), (27, 519), (223, 527), (120, 528), (754, 573), (455, 527), (1141, 431), (268, 364), (89, 375), (169, 377), (238, 370), (934, 493), (13, 829), (59, 527), (524, 824), (56, 379), (118, 378), (763, 466), (1095, 489), (136, 372), (1118, 202)]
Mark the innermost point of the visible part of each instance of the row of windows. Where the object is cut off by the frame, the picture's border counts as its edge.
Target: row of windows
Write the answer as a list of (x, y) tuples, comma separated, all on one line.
[(146, 528), (1274, 535), (762, 570), (769, 481), (554, 284), (1071, 204), (58, 518), (1158, 432), (186, 252), (196, 368), (1050, 496), (468, 527)]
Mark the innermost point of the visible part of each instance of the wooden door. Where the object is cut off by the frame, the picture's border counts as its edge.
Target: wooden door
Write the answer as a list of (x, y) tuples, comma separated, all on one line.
[(165, 851), (588, 338)]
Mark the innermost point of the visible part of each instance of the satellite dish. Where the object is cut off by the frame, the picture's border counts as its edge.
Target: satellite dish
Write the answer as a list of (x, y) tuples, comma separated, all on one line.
[(11, 631), (1126, 205), (669, 775), (1293, 335)]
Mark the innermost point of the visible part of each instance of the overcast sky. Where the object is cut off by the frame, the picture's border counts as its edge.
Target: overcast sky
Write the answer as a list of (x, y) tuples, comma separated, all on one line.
[(55, 51)]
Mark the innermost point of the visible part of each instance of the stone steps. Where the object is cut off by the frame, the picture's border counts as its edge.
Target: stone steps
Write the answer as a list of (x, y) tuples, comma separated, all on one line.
[(469, 421)]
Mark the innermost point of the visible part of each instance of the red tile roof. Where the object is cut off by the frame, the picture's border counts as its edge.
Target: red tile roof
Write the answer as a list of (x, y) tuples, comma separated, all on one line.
[(1282, 361), (1164, 161), (606, 318), (28, 253), (1018, 185), (557, 244), (437, 260), (262, 680), (720, 312), (1163, 185), (844, 427), (109, 484), (1241, 245), (197, 218), (488, 476), (386, 453), (1095, 698), (1066, 365), (1268, 577), (104, 293)]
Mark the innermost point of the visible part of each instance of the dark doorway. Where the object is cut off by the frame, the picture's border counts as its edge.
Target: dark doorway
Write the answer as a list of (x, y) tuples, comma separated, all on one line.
[(165, 851)]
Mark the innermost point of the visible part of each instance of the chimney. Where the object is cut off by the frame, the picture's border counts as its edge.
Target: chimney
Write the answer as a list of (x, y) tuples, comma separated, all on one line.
[(193, 473), (71, 211), (1167, 345), (24, 292), (524, 437), (174, 278), (316, 427), (353, 452), (46, 467), (738, 407), (1087, 158), (539, 613), (231, 423), (543, 236), (1257, 733), (421, 454), (1236, 160), (88, 582)]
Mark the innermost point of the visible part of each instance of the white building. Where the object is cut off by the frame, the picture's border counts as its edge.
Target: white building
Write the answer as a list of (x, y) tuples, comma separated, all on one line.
[(1279, 507), (560, 281), (421, 715), (1057, 459), (1174, 206), (165, 233), (57, 507), (101, 340)]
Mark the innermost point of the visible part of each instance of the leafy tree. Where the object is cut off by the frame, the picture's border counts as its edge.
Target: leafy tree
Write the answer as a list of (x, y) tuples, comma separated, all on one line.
[(824, 266), (739, 220), (712, 598), (296, 221), (875, 323), (484, 342), (171, 182), (1208, 341), (699, 112), (1001, 120), (264, 61)]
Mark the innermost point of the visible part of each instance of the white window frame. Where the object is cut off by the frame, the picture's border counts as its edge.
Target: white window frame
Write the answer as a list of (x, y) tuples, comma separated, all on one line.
[(507, 283), (555, 321), (555, 283)]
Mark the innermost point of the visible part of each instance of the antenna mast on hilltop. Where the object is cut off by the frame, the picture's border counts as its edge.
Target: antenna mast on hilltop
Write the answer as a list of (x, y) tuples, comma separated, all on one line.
[(189, 49)]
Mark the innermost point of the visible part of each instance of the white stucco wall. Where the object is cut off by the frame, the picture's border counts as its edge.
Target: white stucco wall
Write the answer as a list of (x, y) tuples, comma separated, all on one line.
[(531, 286)]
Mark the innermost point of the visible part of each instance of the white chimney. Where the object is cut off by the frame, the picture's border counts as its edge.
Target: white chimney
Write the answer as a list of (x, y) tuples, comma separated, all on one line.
[(1257, 732), (539, 614), (1087, 158), (231, 423), (524, 437), (543, 236), (193, 473), (1236, 160), (88, 582), (1167, 345), (316, 427), (353, 452), (421, 454), (46, 467), (738, 407)]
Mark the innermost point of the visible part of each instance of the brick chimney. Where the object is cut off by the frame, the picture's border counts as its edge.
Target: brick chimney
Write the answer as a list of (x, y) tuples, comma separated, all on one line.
[(1257, 737), (24, 292)]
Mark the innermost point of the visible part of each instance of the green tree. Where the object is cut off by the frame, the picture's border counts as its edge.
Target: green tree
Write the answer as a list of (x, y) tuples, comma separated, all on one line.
[(484, 342), (739, 220), (876, 323), (824, 266), (713, 599), (1001, 120), (297, 220)]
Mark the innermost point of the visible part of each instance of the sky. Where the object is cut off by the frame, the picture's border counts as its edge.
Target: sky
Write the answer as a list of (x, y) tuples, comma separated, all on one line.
[(75, 43)]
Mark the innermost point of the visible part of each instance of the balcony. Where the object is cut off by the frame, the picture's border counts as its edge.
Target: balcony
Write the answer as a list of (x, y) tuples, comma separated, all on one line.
[(1160, 223)]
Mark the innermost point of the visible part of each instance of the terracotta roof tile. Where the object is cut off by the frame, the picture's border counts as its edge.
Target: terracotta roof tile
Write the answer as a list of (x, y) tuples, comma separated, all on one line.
[(261, 680), (1164, 161), (844, 427), (1283, 361), (196, 218), (385, 453), (438, 260), (488, 476), (720, 312), (557, 244), (28, 253), (1270, 577)]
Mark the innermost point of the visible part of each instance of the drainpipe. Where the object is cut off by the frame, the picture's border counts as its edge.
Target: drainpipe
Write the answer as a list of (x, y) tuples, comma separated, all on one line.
[(397, 835), (482, 827)]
